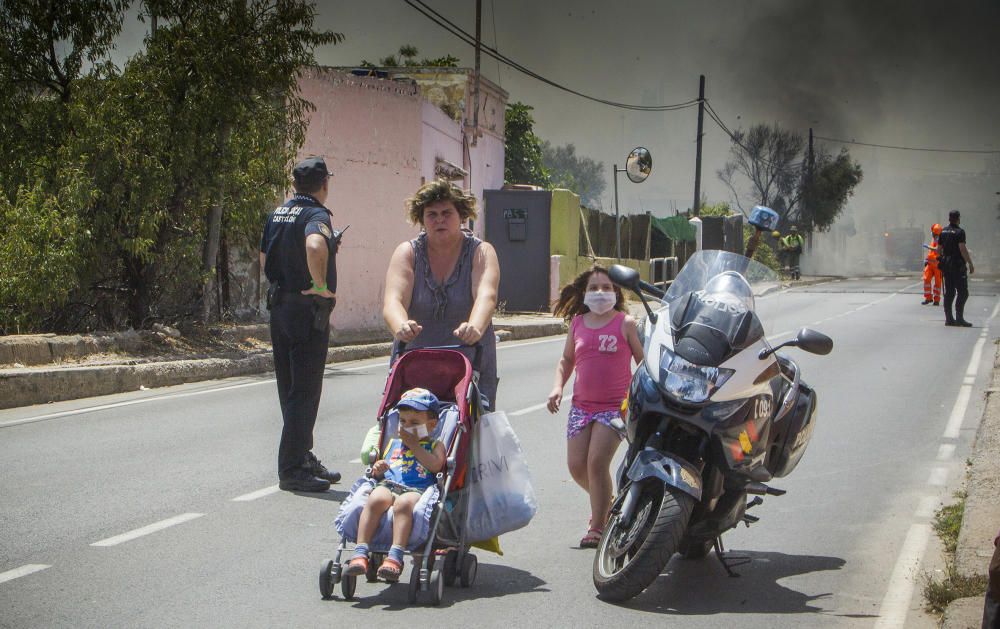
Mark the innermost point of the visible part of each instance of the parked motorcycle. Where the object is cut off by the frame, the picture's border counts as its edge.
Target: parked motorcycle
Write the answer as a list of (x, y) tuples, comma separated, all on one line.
[(714, 413)]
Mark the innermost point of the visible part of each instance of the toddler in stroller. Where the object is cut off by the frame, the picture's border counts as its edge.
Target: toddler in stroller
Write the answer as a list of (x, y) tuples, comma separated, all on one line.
[(418, 479), (407, 468)]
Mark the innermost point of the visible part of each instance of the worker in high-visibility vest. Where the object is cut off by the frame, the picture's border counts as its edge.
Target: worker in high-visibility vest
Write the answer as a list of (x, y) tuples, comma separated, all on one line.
[(932, 274), (791, 246)]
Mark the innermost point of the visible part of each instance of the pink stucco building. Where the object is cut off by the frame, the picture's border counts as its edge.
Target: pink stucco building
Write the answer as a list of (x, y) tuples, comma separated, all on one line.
[(382, 138)]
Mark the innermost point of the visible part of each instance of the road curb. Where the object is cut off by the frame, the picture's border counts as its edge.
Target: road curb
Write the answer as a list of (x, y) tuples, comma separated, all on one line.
[(982, 507), (29, 386)]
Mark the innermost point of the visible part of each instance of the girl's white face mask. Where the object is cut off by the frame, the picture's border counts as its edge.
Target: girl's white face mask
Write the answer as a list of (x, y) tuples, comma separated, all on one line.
[(599, 301), (419, 430)]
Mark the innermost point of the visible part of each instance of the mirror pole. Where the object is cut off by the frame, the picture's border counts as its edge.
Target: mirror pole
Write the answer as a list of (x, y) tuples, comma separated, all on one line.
[(618, 225)]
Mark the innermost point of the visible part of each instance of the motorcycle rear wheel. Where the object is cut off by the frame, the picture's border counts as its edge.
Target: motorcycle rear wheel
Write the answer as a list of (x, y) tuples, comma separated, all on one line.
[(629, 558)]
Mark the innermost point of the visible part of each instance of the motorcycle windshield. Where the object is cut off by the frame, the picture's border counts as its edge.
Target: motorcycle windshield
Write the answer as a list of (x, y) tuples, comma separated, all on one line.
[(713, 305)]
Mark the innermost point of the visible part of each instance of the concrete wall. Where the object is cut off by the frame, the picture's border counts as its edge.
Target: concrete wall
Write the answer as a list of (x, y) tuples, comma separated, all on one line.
[(371, 132), (382, 139), (564, 241)]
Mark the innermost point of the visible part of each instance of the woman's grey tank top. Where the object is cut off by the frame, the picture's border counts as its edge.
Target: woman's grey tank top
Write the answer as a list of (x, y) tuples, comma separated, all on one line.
[(439, 309)]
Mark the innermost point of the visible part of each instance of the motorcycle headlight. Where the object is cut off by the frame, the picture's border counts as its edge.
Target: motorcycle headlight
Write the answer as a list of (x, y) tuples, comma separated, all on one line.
[(689, 382)]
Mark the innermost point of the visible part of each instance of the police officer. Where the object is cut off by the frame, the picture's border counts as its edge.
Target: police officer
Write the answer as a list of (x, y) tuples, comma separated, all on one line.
[(954, 258), (298, 254)]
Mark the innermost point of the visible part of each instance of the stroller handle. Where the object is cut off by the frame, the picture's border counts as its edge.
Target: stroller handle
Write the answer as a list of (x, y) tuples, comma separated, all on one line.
[(476, 359)]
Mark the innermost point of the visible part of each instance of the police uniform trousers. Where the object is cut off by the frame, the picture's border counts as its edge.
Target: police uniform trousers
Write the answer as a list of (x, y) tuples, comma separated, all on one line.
[(299, 352), (956, 289)]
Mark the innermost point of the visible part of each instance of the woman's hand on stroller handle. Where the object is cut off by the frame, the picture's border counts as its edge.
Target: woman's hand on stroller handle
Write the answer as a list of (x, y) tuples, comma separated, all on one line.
[(407, 331), (468, 333)]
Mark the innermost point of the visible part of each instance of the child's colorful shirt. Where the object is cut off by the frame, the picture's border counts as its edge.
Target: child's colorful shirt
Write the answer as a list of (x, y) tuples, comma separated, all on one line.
[(404, 468)]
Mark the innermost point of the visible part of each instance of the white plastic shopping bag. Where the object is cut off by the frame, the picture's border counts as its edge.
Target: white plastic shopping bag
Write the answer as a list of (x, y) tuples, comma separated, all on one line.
[(501, 498)]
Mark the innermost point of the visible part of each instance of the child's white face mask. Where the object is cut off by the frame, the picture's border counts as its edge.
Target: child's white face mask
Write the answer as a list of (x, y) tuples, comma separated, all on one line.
[(420, 430), (599, 301)]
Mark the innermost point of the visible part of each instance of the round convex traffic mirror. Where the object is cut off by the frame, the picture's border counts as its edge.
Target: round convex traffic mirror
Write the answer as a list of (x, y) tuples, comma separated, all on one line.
[(639, 164)]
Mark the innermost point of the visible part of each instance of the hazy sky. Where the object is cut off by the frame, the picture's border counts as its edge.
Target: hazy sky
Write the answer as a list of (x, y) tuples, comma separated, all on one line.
[(912, 73)]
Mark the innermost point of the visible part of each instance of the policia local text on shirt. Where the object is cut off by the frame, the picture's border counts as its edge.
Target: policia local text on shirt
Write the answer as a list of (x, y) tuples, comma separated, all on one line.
[(954, 258), (298, 253)]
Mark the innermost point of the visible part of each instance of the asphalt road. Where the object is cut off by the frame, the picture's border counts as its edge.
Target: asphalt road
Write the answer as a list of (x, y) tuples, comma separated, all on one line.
[(159, 508)]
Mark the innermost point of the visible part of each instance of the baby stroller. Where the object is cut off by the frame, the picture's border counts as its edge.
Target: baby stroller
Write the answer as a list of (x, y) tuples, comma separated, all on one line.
[(438, 547)]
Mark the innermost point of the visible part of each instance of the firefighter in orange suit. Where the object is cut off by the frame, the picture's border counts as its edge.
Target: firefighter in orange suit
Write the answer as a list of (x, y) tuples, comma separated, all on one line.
[(932, 274)]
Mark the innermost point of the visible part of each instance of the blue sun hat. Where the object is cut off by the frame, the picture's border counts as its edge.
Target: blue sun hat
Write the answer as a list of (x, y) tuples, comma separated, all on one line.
[(419, 400)]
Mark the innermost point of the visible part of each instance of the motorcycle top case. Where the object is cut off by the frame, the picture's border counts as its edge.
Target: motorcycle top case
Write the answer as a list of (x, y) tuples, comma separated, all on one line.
[(790, 435)]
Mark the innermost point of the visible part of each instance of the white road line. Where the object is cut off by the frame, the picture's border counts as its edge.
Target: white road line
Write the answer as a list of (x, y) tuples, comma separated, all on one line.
[(157, 398), (927, 507), (144, 400), (977, 353), (897, 598), (996, 309), (253, 495), (23, 571), (536, 407), (515, 344), (946, 451), (530, 409), (958, 412), (938, 477), (146, 530), (354, 461)]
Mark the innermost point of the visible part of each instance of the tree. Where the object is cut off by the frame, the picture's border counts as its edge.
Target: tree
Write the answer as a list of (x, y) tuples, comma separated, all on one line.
[(809, 190), (523, 150), (582, 175), (186, 146), (408, 59)]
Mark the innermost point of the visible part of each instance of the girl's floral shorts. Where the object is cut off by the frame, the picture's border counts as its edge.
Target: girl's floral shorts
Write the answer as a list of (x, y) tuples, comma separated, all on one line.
[(579, 419)]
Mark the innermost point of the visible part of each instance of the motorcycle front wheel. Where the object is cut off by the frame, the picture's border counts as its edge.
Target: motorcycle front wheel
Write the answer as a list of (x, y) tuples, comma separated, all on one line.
[(630, 557)]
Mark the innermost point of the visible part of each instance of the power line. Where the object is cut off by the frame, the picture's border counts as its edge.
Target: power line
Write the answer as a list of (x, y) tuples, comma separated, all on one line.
[(907, 148), (732, 136), (457, 31)]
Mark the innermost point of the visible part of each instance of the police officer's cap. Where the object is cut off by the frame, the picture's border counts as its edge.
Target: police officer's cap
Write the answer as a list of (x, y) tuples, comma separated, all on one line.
[(310, 172)]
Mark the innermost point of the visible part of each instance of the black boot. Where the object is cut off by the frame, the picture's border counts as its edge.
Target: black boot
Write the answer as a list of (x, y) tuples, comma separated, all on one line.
[(317, 469)]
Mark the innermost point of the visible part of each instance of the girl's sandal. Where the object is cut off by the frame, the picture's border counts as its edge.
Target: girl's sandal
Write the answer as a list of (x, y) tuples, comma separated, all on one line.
[(592, 538), (390, 570)]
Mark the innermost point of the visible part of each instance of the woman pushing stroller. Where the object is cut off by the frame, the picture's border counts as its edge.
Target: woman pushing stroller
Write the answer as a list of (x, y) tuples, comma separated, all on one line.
[(408, 467)]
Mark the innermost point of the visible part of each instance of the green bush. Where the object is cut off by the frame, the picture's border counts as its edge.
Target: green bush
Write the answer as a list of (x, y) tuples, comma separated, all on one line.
[(42, 251)]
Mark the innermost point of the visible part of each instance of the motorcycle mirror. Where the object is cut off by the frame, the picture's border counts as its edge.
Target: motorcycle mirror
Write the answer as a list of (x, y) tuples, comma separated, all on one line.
[(814, 342), (624, 276), (639, 164), (627, 277)]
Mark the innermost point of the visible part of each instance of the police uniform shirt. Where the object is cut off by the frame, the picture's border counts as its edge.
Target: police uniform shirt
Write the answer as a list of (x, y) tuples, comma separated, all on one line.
[(284, 243), (949, 240)]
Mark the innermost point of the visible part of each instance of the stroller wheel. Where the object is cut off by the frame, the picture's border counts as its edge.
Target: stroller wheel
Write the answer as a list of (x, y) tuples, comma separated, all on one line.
[(469, 567), (347, 586), (436, 586), (414, 587), (326, 580), (373, 563), (450, 572)]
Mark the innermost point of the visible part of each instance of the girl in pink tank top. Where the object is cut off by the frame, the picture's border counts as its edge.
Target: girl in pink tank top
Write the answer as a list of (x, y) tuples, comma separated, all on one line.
[(602, 342)]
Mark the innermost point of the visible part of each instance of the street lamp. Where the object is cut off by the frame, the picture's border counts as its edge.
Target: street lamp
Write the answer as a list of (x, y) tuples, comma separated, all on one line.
[(638, 165)]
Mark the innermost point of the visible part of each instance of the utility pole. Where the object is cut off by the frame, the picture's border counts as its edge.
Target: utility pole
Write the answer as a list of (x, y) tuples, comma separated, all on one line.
[(479, 33), (810, 182), (697, 159)]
